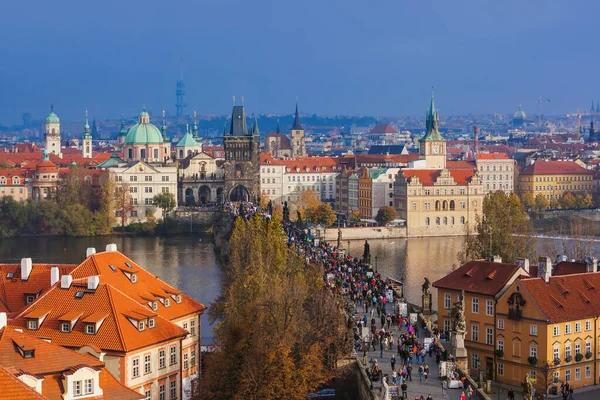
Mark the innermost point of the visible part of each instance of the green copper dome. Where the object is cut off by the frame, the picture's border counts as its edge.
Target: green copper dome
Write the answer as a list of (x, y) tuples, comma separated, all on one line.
[(144, 132), (52, 118)]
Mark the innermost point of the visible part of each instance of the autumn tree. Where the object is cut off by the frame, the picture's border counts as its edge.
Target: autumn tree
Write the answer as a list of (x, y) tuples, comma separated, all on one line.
[(308, 200), (354, 217), (528, 200), (503, 229), (541, 202), (278, 330), (123, 202), (385, 215), (567, 200), (583, 200), (165, 201), (322, 214)]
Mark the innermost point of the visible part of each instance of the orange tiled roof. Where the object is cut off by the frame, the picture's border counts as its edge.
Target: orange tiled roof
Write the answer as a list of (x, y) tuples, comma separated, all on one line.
[(116, 333), (15, 389), (554, 168), (146, 286), (479, 276), (492, 156), (428, 176), (13, 291), (566, 297)]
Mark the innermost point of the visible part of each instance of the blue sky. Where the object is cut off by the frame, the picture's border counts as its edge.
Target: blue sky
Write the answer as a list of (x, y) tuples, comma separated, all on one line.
[(377, 57)]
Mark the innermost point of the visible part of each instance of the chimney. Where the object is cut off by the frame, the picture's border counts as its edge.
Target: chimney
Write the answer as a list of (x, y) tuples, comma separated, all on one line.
[(111, 247), (591, 264), (54, 275), (90, 251), (93, 282), (26, 266), (497, 259), (3, 320), (523, 263), (65, 281), (545, 268)]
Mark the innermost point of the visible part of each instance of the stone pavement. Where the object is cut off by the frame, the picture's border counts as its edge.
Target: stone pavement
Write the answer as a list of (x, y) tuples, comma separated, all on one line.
[(416, 388)]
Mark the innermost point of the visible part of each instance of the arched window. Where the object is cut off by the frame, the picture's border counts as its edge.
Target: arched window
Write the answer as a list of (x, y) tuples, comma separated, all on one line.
[(462, 220), (155, 154), (130, 154), (87, 149), (445, 205), (445, 220), (143, 153), (180, 153), (437, 205), (437, 220), (451, 220), (451, 204), (427, 221)]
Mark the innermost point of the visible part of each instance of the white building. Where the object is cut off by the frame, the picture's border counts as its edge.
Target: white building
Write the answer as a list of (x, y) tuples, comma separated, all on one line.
[(382, 188), (497, 172)]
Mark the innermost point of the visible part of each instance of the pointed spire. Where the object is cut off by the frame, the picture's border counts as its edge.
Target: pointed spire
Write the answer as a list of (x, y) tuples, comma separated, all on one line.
[(163, 128), (297, 126), (278, 127), (195, 127), (255, 131), (187, 129), (225, 127), (94, 128), (86, 127), (431, 123)]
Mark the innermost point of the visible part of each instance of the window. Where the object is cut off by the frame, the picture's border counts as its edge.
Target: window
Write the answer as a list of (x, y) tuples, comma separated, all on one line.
[(141, 326), (567, 329), (588, 347), (568, 375), (577, 348), (193, 356), (447, 301), (148, 201), (462, 220), (89, 386), (588, 325), (500, 323), (151, 323), (588, 371), (185, 361), (500, 369), (65, 327), (165, 179), (167, 302), (533, 375), (32, 324), (148, 189), (135, 367), (427, 221), (474, 361), (533, 330), (147, 364), (148, 394), (568, 350), (532, 351), (489, 336), (489, 307), (577, 326), (475, 333), (556, 331), (161, 358), (475, 305), (173, 390), (29, 299), (161, 392), (76, 388), (133, 178), (193, 327), (556, 353), (172, 355), (165, 189), (577, 374)]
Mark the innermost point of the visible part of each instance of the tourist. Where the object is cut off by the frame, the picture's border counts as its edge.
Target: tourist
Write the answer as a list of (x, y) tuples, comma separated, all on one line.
[(511, 394), (394, 375), (381, 349), (393, 361), (409, 372), (463, 396), (404, 388), (420, 373), (426, 372)]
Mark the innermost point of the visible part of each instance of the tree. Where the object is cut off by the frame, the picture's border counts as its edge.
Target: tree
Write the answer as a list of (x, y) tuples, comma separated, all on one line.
[(583, 200), (104, 218), (541, 202), (528, 200), (567, 200), (354, 217), (385, 215), (165, 201), (73, 189), (323, 215), (503, 217), (123, 202), (267, 288), (309, 201)]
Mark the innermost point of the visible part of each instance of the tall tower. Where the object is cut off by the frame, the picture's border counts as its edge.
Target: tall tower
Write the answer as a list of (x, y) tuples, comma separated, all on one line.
[(166, 141), (86, 143), (432, 146), (242, 153), (52, 135), (180, 94), (297, 136)]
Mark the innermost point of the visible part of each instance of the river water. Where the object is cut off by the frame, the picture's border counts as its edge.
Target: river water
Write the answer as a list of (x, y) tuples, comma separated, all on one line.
[(190, 264)]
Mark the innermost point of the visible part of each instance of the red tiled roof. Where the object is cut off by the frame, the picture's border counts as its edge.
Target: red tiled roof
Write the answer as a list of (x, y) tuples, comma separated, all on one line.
[(567, 297), (428, 176), (480, 276), (554, 168), (15, 389), (383, 128), (460, 165), (492, 156)]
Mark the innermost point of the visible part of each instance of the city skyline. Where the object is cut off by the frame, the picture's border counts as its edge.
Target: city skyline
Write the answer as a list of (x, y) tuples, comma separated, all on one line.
[(339, 58)]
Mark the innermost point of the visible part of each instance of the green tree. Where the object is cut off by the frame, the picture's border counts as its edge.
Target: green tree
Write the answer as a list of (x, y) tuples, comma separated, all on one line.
[(541, 202), (503, 229), (123, 202), (104, 217), (73, 189), (567, 200), (354, 217), (164, 201), (322, 214), (583, 200), (528, 200), (385, 215)]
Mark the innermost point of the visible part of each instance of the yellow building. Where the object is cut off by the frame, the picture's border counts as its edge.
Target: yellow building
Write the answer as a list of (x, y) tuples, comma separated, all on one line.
[(13, 184), (483, 282), (553, 178), (436, 197), (547, 327)]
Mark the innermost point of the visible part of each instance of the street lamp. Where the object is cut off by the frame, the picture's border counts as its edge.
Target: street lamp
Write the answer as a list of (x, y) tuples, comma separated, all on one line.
[(375, 264), (348, 247)]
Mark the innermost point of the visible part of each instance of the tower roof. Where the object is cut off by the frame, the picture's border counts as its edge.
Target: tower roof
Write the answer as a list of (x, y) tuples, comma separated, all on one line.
[(255, 131), (52, 118), (86, 128), (297, 126), (144, 132), (238, 122), (432, 133), (188, 141)]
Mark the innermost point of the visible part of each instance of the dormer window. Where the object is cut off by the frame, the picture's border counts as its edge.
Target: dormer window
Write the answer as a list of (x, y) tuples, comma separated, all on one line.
[(65, 327), (167, 302), (32, 324), (28, 353), (133, 278), (141, 326), (151, 323), (155, 305), (29, 298), (90, 329), (178, 299), (9, 275)]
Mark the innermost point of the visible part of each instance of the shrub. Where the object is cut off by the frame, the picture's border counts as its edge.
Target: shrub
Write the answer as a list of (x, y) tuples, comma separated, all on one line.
[(499, 353), (532, 360), (578, 357), (568, 358), (556, 362), (588, 355)]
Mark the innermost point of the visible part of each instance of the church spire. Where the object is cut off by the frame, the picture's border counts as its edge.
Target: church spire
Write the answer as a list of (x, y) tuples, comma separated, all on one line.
[(255, 131), (86, 127), (195, 127), (278, 127), (432, 123), (297, 125), (163, 128)]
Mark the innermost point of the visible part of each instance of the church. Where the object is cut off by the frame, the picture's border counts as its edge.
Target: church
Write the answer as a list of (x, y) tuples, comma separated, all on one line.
[(437, 197)]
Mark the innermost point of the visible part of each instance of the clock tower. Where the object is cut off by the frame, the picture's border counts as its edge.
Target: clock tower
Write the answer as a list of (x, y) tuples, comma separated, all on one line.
[(52, 135), (432, 146)]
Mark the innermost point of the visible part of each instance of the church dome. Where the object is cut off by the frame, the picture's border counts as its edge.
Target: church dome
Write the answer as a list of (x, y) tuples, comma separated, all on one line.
[(144, 132), (520, 114), (52, 118)]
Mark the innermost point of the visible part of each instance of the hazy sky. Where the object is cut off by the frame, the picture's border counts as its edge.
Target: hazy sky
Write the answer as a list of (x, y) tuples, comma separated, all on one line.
[(377, 57)]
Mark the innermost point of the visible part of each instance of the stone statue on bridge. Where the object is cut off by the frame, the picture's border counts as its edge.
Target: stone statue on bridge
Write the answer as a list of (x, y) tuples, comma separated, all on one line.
[(367, 253), (426, 285)]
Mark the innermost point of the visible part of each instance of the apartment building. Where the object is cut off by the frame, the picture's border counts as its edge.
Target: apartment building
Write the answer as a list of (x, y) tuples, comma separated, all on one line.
[(552, 179), (496, 171)]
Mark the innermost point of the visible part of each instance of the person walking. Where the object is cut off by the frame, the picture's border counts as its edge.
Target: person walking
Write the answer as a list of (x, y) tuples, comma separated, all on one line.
[(409, 372), (463, 396), (393, 361), (511, 394), (381, 347), (404, 388), (420, 373), (426, 372)]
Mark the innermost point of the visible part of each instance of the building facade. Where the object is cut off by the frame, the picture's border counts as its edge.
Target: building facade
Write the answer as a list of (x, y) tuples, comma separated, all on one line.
[(297, 137), (496, 171), (552, 179), (52, 135)]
